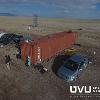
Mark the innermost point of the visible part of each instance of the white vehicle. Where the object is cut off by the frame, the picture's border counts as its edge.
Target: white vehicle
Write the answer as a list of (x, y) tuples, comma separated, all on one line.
[(1, 34)]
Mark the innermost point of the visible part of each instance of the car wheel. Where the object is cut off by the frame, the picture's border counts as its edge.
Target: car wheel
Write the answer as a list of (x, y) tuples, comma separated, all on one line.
[(5, 43)]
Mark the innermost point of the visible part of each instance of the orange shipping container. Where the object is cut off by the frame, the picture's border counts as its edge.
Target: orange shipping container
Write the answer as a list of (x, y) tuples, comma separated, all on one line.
[(45, 47)]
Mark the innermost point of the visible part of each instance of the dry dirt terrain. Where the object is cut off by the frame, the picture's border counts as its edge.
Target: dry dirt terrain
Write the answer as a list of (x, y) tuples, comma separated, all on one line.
[(27, 83)]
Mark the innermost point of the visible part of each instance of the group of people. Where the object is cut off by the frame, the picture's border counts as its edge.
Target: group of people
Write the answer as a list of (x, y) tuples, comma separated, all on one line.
[(39, 67), (8, 61)]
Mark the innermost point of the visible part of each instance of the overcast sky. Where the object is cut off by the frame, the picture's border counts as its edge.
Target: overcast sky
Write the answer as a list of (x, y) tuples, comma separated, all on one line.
[(53, 8)]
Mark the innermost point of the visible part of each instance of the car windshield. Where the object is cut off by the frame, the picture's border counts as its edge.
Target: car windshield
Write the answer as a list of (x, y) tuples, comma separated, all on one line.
[(71, 65)]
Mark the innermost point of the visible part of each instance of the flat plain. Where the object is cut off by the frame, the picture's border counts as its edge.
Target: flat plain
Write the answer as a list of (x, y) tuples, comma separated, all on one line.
[(26, 83)]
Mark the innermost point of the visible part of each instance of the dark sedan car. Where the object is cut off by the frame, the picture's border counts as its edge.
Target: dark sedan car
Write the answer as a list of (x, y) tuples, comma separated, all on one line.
[(72, 67), (10, 38)]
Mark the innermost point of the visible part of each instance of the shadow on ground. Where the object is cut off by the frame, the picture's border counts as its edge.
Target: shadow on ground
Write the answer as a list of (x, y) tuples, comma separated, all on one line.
[(58, 61)]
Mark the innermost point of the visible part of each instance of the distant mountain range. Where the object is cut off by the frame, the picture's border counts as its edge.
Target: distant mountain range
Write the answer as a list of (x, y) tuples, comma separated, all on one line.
[(7, 14)]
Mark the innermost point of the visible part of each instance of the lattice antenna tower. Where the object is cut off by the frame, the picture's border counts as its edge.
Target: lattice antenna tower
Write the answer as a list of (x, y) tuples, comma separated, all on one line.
[(35, 20)]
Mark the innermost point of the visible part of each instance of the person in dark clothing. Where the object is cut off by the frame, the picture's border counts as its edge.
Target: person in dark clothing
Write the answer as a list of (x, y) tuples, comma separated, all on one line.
[(43, 70), (40, 68), (7, 61), (18, 52), (18, 55)]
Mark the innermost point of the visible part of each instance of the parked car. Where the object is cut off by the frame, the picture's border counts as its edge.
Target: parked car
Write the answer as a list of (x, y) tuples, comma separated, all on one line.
[(18, 38), (72, 67), (1, 34), (10, 38)]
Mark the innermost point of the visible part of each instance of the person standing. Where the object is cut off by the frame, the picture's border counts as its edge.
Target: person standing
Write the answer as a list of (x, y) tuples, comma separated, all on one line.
[(7, 61), (18, 55)]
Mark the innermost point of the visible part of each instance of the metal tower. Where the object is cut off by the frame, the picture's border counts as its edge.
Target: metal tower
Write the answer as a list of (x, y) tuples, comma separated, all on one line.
[(35, 20)]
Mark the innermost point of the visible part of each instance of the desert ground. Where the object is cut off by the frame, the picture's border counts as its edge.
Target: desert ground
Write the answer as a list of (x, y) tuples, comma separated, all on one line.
[(26, 83)]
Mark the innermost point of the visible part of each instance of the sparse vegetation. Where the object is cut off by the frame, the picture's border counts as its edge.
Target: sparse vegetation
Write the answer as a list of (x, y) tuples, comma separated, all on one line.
[(23, 83)]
